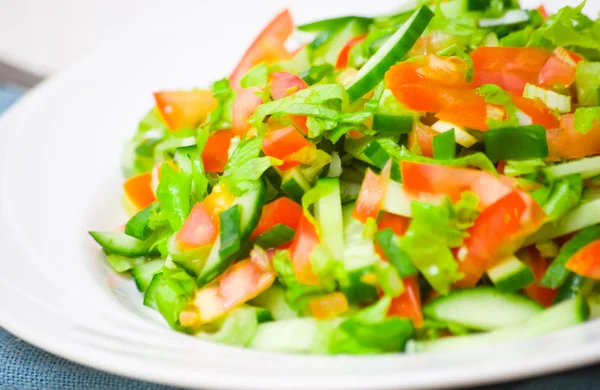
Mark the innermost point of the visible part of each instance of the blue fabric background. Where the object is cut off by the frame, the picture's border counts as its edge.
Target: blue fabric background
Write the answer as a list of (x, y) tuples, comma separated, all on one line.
[(23, 366)]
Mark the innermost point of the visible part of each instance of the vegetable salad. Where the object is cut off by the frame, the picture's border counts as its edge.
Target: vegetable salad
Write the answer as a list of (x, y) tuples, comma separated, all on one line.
[(418, 181)]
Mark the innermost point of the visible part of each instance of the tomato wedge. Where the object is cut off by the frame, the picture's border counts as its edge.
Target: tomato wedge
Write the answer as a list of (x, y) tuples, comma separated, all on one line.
[(428, 98), (215, 153), (430, 70), (184, 109), (268, 46), (281, 211), (544, 295), (474, 114), (560, 68), (539, 113), (420, 140), (304, 243), (283, 143), (138, 190), (328, 306), (285, 84), (397, 223), (586, 262), (371, 195), (408, 305), (342, 60), (566, 142), (243, 107), (200, 228)]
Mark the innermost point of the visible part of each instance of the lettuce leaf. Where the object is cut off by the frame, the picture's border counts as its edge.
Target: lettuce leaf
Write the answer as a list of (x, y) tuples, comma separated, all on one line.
[(257, 76), (245, 166), (586, 118), (495, 95), (220, 117), (173, 192)]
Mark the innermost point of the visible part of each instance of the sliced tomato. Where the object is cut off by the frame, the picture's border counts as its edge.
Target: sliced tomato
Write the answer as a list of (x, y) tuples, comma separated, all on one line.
[(490, 236), (240, 283), (184, 109), (420, 140), (371, 195), (138, 190), (243, 107), (397, 223), (431, 98), (430, 70), (508, 67), (560, 68), (268, 46), (539, 113), (342, 60), (566, 142), (215, 153), (545, 296), (408, 305), (473, 114), (200, 228), (285, 84), (586, 262), (543, 13), (281, 211), (284, 142), (304, 243), (328, 306)]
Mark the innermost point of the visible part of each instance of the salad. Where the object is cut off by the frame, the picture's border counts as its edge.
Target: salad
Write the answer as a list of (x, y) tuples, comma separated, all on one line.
[(419, 181)]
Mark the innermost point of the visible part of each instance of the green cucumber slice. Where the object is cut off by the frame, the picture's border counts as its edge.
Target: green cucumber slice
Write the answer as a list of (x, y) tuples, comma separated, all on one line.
[(482, 308), (277, 235), (393, 51), (299, 335), (124, 245), (359, 251), (294, 184), (390, 245), (138, 226), (396, 201), (586, 167), (329, 50), (328, 213), (143, 273), (511, 275), (510, 17)]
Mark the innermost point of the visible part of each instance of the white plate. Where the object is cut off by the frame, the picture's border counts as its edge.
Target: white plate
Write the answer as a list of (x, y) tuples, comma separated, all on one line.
[(60, 176)]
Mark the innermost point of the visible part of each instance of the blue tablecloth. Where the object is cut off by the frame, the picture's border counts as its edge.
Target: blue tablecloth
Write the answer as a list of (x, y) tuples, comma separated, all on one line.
[(23, 366)]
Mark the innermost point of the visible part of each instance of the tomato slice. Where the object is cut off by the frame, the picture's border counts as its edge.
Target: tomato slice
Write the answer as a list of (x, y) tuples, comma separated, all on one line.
[(304, 243), (243, 107), (543, 13), (342, 60), (539, 113), (566, 142), (408, 305), (184, 109), (268, 46), (430, 70), (215, 153), (285, 84), (138, 190), (200, 228), (281, 211), (472, 114), (282, 143), (560, 68), (398, 223), (428, 98), (545, 296), (371, 195), (328, 306), (586, 262)]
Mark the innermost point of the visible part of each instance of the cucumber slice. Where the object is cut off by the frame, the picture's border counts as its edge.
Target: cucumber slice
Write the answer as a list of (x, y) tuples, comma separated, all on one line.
[(277, 235), (143, 273), (396, 200), (328, 51), (331, 24), (462, 136), (328, 213), (274, 300), (294, 184), (264, 315), (394, 50), (553, 100), (510, 18), (124, 245), (586, 167), (123, 263), (482, 308), (573, 286), (359, 251), (391, 116), (390, 245), (357, 290), (138, 226), (300, 335), (558, 317), (237, 328), (511, 275)]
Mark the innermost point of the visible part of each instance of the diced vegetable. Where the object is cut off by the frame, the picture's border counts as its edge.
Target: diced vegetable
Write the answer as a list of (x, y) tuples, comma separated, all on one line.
[(184, 109)]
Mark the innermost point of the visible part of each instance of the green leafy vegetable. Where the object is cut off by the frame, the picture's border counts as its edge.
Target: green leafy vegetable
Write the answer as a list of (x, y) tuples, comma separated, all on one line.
[(586, 118), (444, 145), (173, 192), (256, 77), (516, 142)]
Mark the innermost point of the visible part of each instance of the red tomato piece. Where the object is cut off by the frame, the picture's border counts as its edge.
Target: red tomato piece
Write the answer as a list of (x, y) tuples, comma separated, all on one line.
[(539, 113), (138, 190), (268, 46), (215, 153), (184, 109), (281, 211), (304, 243), (543, 13), (471, 114), (431, 98), (328, 306), (586, 262), (430, 70), (544, 295), (398, 223), (420, 140), (243, 107), (342, 60), (285, 84), (371, 195), (408, 305), (200, 228), (566, 142), (283, 143), (560, 68)]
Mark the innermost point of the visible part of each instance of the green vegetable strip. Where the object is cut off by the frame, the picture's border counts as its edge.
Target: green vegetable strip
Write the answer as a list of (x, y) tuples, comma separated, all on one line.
[(389, 244), (276, 236), (444, 145), (516, 143), (138, 225)]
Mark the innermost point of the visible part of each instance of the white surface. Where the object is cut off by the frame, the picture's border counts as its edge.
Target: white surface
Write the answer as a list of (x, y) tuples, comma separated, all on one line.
[(60, 176)]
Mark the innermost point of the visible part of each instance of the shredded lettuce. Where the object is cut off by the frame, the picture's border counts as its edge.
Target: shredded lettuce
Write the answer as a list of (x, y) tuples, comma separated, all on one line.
[(245, 166), (586, 118), (495, 95), (256, 77), (173, 192), (523, 167), (297, 294)]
